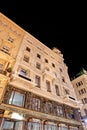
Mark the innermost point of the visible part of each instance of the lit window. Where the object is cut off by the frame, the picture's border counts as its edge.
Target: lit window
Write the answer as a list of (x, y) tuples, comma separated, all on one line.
[(23, 72), (8, 125), (16, 99)]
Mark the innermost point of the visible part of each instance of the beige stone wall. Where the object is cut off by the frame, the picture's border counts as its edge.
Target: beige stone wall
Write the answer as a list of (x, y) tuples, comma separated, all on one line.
[(80, 87), (54, 75), (10, 31)]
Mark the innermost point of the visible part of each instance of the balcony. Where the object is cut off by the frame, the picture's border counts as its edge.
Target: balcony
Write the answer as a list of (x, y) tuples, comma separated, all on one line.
[(22, 81), (22, 76), (70, 99)]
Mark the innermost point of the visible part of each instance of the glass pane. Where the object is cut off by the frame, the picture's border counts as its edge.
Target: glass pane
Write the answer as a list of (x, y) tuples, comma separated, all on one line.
[(18, 125), (35, 126), (18, 99), (8, 125), (10, 100)]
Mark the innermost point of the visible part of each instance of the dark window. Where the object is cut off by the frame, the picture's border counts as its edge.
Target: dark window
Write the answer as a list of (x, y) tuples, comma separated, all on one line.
[(38, 55), (48, 86), (38, 66), (53, 65), (26, 58), (57, 90), (28, 49), (46, 60), (11, 39)]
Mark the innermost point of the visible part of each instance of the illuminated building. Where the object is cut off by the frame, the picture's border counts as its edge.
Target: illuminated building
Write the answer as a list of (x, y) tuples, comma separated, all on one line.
[(80, 86), (38, 94)]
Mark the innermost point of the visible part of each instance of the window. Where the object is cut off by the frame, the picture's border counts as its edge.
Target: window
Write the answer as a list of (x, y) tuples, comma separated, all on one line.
[(5, 49), (50, 127), (53, 65), (38, 55), (48, 86), (8, 125), (85, 110), (1, 66), (57, 90), (26, 58), (46, 60), (17, 99), (37, 80), (23, 72), (82, 91), (36, 104), (66, 91), (11, 39), (34, 126), (59, 110), (48, 107), (79, 83), (84, 100), (60, 69), (38, 66), (63, 79), (28, 49)]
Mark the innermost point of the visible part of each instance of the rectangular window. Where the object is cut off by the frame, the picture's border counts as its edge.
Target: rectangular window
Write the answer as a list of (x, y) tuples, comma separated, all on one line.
[(46, 60), (59, 110), (39, 56), (11, 39), (17, 99), (36, 104), (26, 58), (48, 86), (53, 65), (1, 66), (57, 90), (37, 81), (8, 125), (5, 49), (28, 49), (38, 66), (23, 72)]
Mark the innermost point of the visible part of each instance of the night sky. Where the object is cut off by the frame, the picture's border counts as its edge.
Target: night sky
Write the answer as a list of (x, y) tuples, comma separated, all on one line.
[(64, 27)]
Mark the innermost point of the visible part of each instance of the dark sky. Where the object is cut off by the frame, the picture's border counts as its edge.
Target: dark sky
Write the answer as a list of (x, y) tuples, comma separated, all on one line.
[(55, 25)]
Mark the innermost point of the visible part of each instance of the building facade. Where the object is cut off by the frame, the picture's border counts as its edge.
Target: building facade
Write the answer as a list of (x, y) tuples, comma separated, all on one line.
[(37, 94), (80, 86)]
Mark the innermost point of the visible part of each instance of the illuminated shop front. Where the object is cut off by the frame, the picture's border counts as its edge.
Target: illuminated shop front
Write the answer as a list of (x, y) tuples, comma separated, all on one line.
[(23, 110)]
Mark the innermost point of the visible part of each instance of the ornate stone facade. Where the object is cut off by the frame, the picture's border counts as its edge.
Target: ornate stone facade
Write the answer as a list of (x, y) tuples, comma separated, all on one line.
[(37, 94)]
